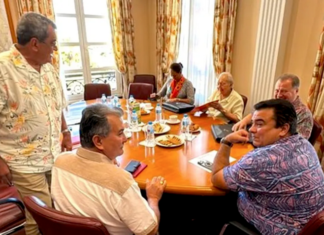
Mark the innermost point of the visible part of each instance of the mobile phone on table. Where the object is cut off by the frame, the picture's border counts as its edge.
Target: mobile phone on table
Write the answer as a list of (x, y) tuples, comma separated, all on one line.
[(132, 166)]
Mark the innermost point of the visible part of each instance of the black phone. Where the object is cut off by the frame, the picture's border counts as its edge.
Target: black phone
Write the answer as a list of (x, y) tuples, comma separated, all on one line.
[(132, 166)]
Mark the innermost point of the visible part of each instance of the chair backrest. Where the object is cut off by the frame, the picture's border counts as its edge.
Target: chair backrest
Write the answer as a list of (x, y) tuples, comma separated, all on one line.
[(245, 100), (146, 78), (140, 91), (316, 131), (315, 226), (53, 222), (12, 210), (95, 90)]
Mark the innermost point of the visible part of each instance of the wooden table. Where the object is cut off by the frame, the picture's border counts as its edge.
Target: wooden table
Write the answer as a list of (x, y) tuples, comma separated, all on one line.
[(173, 164)]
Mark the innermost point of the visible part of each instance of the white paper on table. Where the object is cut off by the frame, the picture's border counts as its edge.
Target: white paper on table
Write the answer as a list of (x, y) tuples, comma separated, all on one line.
[(207, 157)]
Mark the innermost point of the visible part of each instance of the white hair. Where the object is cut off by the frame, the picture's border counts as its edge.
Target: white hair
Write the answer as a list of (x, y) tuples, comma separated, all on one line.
[(228, 76)]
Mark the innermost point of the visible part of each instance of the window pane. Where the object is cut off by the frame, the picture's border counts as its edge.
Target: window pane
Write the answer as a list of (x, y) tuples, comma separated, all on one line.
[(101, 56), (100, 8), (67, 29), (98, 30), (74, 83), (71, 57), (66, 6), (105, 77)]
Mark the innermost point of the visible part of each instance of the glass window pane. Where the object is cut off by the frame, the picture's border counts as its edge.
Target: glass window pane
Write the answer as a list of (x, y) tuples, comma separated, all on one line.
[(101, 56), (105, 77), (99, 8), (66, 6), (98, 30), (70, 57), (67, 29), (74, 83)]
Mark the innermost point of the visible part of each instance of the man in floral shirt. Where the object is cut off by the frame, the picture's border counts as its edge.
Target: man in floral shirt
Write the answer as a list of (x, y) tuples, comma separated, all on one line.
[(280, 184), (286, 88), (31, 109)]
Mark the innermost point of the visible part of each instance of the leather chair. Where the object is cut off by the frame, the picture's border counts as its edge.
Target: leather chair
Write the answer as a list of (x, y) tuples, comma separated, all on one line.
[(95, 90), (245, 100), (12, 210), (53, 222), (146, 78), (316, 131), (140, 91)]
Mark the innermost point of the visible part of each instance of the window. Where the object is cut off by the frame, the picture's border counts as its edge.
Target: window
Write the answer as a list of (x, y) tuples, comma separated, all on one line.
[(85, 46), (196, 47)]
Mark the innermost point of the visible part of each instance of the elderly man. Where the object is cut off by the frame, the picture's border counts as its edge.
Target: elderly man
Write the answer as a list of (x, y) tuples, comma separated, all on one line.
[(280, 184), (88, 182), (286, 88), (31, 105), (227, 102)]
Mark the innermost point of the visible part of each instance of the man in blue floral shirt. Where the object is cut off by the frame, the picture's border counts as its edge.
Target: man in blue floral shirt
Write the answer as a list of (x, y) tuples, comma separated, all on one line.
[(280, 184)]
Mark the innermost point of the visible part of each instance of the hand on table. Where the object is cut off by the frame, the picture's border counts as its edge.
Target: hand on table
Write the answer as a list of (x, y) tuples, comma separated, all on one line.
[(155, 188)]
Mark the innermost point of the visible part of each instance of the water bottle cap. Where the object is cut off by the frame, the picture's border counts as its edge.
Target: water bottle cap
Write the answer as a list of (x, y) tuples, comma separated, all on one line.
[(134, 111), (186, 115), (150, 122), (158, 104)]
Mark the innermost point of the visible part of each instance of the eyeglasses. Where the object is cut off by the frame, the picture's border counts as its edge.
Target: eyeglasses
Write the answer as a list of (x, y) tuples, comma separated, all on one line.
[(222, 84), (53, 44)]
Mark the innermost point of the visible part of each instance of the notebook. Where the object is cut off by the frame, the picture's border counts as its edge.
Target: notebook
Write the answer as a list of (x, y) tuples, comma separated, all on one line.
[(220, 131), (178, 107)]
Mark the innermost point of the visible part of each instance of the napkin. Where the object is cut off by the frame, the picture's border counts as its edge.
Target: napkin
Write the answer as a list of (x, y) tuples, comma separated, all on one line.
[(144, 143)]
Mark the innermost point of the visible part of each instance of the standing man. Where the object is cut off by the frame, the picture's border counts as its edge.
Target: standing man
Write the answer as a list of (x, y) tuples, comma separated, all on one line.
[(31, 110), (286, 88)]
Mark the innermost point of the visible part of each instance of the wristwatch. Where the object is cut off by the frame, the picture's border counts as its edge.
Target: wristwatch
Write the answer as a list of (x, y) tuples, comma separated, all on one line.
[(224, 141)]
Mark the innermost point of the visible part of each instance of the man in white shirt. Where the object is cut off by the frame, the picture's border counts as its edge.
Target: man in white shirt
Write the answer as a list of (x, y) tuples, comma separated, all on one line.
[(89, 183), (227, 102), (31, 110)]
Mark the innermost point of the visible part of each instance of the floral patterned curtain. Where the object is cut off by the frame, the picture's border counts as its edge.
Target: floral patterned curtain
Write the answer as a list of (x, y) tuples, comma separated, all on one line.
[(315, 99), (5, 39), (44, 7), (168, 24), (224, 24), (122, 31)]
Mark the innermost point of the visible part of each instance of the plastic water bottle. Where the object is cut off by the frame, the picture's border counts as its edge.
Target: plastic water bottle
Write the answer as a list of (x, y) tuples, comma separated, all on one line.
[(150, 142), (131, 99), (185, 123), (115, 101), (103, 99), (134, 120), (158, 113)]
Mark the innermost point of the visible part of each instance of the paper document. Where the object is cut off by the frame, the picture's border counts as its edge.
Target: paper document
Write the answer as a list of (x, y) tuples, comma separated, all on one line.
[(206, 160)]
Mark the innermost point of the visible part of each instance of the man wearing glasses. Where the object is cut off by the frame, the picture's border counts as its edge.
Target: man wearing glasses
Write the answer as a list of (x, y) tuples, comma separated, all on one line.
[(31, 105)]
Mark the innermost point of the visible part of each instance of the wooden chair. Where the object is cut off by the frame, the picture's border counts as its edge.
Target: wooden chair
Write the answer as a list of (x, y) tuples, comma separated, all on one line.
[(245, 100), (316, 131), (95, 90), (53, 222)]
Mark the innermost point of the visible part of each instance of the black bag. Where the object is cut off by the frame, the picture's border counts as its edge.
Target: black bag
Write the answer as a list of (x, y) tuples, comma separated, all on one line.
[(178, 107)]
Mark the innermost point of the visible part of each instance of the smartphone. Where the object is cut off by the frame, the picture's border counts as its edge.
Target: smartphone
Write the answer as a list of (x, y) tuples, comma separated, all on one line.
[(132, 166), (206, 164)]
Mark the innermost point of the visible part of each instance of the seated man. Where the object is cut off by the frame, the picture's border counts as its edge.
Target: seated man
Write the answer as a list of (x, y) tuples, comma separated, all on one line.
[(88, 183), (227, 102), (286, 88), (280, 184)]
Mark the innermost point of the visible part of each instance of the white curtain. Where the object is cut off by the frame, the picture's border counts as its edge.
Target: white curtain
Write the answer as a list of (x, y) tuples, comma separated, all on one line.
[(5, 37), (196, 46)]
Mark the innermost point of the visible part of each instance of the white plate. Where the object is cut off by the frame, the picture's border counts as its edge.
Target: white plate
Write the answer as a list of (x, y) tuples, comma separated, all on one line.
[(172, 122), (166, 128), (147, 112), (165, 137), (149, 108)]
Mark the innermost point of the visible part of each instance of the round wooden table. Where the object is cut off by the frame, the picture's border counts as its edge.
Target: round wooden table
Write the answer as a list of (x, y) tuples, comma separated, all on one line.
[(173, 164)]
